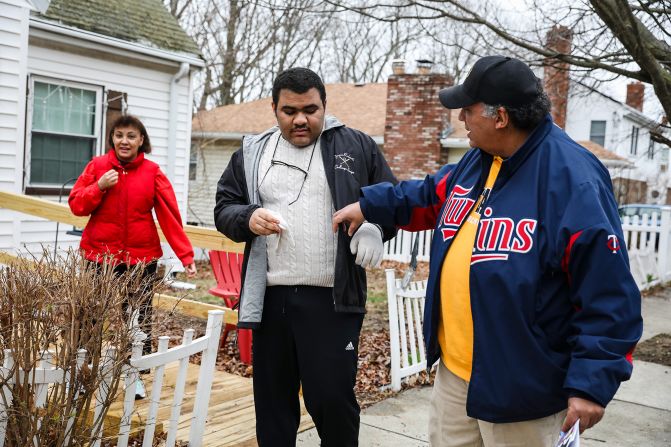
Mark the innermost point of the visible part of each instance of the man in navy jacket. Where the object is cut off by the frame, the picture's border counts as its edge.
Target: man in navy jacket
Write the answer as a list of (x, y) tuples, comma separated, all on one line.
[(531, 307)]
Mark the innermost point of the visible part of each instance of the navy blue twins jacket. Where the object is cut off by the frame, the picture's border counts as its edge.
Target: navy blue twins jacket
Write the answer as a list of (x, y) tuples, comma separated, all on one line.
[(555, 309)]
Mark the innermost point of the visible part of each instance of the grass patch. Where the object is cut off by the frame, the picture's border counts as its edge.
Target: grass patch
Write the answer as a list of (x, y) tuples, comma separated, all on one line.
[(376, 296)]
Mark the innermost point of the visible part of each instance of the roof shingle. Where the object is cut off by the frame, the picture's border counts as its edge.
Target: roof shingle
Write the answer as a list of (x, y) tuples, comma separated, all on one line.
[(146, 22), (601, 152)]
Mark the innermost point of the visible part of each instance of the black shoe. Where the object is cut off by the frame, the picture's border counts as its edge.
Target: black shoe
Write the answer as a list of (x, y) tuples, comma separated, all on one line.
[(140, 391)]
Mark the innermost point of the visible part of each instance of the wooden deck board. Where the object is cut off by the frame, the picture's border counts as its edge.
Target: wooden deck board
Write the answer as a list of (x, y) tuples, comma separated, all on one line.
[(231, 420)]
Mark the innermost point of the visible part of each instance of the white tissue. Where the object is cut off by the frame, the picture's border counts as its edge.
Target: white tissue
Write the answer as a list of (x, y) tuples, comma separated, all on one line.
[(283, 223)]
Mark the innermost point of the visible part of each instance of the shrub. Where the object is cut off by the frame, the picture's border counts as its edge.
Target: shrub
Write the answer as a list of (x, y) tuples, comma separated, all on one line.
[(51, 310)]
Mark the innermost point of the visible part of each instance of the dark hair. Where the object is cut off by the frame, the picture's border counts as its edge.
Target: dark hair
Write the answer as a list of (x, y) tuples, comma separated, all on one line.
[(130, 121), (528, 116), (298, 80)]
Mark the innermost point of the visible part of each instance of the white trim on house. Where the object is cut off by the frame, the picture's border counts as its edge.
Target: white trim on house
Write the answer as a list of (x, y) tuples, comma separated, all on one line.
[(457, 143), (95, 41), (637, 117)]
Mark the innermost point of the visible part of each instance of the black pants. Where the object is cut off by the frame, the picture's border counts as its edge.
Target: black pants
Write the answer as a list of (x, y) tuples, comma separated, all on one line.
[(302, 340), (144, 294)]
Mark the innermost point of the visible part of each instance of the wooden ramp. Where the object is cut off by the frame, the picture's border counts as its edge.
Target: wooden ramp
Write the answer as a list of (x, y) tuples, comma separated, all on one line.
[(230, 420)]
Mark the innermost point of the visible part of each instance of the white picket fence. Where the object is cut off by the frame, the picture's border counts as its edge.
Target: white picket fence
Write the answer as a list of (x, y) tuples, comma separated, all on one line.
[(400, 248), (47, 373), (647, 238), (406, 339)]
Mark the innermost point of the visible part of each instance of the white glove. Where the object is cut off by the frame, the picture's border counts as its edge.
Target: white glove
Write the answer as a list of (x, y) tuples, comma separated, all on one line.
[(367, 245)]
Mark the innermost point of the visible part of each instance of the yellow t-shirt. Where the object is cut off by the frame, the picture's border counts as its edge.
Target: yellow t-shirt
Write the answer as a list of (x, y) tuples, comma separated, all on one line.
[(455, 327)]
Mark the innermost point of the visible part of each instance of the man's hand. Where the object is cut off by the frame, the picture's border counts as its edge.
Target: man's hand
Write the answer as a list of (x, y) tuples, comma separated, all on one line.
[(587, 411), (367, 245), (352, 215), (108, 179), (264, 223)]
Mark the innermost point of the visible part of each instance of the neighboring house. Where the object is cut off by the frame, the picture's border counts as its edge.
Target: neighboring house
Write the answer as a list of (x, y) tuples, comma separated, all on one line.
[(69, 67), (587, 114), (625, 130)]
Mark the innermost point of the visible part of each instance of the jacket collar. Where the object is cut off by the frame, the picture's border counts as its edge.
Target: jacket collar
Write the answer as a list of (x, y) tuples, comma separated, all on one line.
[(511, 164), (111, 156)]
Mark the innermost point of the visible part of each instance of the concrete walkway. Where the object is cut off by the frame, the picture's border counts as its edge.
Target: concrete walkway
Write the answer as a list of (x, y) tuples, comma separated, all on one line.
[(640, 414)]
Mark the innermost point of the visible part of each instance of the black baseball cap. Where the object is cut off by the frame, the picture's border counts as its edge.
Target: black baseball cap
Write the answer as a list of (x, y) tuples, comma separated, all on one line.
[(494, 80)]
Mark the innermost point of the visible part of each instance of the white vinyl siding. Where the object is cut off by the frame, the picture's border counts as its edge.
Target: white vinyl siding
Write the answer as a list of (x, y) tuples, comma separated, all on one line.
[(14, 19), (212, 159)]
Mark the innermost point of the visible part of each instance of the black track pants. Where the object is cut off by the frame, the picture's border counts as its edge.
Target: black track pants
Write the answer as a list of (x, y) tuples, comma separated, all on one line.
[(302, 340)]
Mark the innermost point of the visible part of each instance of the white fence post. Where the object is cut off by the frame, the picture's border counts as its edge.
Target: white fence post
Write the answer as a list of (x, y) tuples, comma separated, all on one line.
[(394, 338), (205, 378), (179, 392), (150, 427), (132, 376), (663, 257), (5, 393)]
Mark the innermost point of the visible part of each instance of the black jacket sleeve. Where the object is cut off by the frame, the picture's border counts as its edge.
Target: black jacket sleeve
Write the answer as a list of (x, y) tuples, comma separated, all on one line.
[(379, 172), (233, 210)]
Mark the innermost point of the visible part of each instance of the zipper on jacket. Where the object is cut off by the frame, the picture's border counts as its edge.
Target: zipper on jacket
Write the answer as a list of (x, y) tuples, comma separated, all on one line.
[(485, 193)]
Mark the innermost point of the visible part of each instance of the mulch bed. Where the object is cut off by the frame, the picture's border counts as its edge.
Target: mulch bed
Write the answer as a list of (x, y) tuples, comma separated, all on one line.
[(656, 350)]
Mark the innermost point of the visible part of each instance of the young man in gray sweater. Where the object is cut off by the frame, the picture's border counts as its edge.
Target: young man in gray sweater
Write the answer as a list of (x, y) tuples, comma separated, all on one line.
[(304, 288)]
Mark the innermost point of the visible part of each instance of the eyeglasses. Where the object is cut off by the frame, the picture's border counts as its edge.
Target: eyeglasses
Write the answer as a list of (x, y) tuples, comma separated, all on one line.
[(274, 162)]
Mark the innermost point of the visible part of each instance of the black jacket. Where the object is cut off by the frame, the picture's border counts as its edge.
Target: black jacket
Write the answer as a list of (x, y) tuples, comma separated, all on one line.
[(351, 160)]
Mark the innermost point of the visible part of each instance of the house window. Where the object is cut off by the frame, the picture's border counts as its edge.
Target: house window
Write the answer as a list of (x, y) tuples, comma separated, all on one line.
[(64, 131), (633, 147), (597, 132), (193, 162), (651, 149)]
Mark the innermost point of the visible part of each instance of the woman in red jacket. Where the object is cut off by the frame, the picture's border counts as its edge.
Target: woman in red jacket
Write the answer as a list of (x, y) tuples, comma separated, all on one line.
[(119, 190)]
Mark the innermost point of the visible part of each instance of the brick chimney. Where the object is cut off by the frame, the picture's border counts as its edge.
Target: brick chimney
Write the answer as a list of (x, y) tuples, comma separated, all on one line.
[(556, 74), (635, 93), (414, 122)]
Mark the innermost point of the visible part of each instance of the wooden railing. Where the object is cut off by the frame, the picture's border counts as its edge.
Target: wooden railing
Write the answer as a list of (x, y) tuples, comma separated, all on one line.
[(199, 237), (58, 212)]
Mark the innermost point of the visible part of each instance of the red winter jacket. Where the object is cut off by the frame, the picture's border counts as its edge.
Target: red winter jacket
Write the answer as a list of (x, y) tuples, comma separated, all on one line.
[(121, 222)]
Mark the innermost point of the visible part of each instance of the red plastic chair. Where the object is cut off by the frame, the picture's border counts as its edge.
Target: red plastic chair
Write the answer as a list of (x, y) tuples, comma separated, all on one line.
[(227, 268)]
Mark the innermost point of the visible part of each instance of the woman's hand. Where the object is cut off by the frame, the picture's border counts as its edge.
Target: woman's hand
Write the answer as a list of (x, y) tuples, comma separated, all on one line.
[(109, 179), (191, 270)]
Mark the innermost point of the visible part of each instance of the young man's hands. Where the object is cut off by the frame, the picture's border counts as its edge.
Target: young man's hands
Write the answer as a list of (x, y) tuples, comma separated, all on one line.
[(265, 222), (367, 245)]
